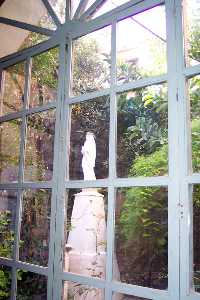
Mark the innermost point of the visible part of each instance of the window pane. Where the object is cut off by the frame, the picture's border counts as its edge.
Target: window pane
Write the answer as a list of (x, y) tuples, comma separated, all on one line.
[(35, 227), (18, 39), (85, 232), (8, 202), (44, 78), (5, 282), (91, 62), (31, 286), (141, 45), (59, 8), (107, 6), (194, 95), (40, 146), (141, 237), (117, 296), (196, 234), (89, 128), (12, 93), (32, 12), (75, 291), (9, 150), (192, 31), (142, 132)]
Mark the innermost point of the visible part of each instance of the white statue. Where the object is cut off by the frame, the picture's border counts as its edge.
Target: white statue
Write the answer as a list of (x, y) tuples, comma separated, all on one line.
[(89, 157)]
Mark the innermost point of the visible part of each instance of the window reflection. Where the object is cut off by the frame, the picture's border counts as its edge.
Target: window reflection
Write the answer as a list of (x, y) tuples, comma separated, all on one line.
[(192, 31), (9, 150), (91, 62), (44, 78), (12, 89), (35, 227), (89, 118), (142, 132), (40, 146), (77, 291), (141, 237), (31, 286), (142, 53), (8, 204), (85, 232), (5, 283)]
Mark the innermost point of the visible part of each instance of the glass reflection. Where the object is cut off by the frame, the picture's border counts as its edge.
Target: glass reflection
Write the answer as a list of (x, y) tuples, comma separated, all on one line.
[(194, 97), (192, 31), (8, 202), (86, 216), (141, 237), (9, 150), (40, 146), (5, 282), (89, 117), (12, 89), (117, 296), (142, 53), (77, 291), (142, 132), (91, 62), (44, 78), (31, 286), (35, 227)]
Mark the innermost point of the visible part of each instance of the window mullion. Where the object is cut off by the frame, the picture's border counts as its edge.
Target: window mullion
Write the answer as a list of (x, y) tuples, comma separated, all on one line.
[(58, 192), (112, 167), (20, 180), (174, 58)]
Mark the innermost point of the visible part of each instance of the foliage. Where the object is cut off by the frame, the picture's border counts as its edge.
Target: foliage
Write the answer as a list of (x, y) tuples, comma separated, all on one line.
[(6, 234), (143, 220), (194, 42), (142, 124), (155, 164), (5, 283), (90, 69), (45, 68), (35, 227), (31, 286), (6, 246)]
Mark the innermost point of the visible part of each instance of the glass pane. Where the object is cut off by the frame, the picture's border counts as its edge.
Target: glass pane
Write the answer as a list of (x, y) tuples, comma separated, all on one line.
[(141, 237), (9, 150), (107, 6), (89, 142), (141, 45), (196, 234), (77, 291), (192, 31), (194, 95), (31, 286), (117, 296), (85, 232), (8, 202), (142, 132), (40, 146), (12, 93), (91, 62), (35, 227), (5, 282), (32, 12), (44, 78), (18, 39)]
